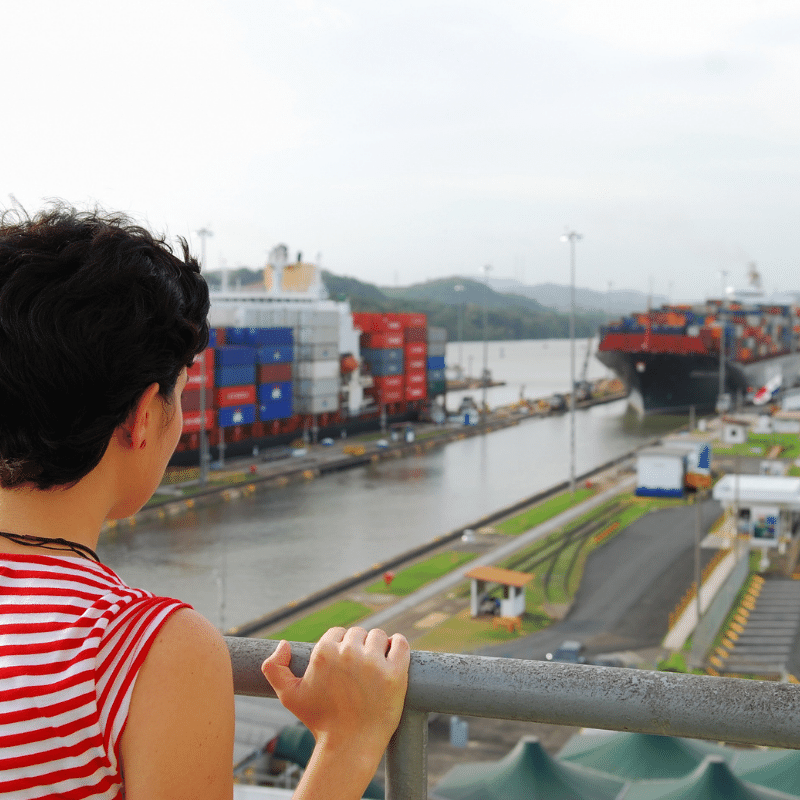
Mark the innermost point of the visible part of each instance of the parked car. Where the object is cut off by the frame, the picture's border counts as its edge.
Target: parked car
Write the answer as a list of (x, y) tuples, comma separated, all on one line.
[(568, 653)]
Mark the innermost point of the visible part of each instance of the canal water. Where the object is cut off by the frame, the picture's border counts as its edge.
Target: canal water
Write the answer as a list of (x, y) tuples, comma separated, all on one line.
[(237, 561)]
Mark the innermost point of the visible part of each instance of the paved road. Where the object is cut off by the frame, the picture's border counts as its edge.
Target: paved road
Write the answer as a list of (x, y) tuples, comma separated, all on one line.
[(629, 587)]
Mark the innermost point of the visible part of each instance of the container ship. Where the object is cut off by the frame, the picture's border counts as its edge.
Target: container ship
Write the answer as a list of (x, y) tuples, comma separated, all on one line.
[(285, 362), (683, 356)]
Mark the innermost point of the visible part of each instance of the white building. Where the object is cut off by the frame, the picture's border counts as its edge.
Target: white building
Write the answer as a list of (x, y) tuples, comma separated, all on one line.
[(768, 506)]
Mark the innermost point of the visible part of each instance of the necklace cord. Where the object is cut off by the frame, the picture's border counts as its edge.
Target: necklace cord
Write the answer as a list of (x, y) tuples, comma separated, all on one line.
[(47, 543)]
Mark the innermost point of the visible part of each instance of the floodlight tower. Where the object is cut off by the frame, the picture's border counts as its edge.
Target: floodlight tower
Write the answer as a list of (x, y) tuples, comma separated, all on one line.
[(203, 233), (572, 237), (485, 376)]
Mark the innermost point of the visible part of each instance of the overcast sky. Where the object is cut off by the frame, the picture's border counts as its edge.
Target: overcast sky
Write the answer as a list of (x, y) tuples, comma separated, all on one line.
[(402, 142)]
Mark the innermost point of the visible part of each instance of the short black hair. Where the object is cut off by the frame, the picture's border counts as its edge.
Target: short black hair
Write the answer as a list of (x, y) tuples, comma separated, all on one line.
[(93, 310)]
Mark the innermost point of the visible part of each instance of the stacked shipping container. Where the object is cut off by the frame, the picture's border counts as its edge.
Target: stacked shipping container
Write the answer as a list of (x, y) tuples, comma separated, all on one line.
[(248, 379), (437, 343), (395, 349), (268, 380), (317, 372)]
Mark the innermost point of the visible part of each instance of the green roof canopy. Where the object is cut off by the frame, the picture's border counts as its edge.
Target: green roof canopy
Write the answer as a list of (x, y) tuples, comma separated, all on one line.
[(526, 773), (639, 756), (776, 769), (712, 780)]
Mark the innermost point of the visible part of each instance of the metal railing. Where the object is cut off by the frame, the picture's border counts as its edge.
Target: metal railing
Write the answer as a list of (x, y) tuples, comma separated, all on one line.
[(721, 709)]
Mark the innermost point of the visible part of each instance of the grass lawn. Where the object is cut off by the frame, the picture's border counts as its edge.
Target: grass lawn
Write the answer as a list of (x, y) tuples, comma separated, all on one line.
[(412, 578), (541, 513), (310, 628), (758, 444)]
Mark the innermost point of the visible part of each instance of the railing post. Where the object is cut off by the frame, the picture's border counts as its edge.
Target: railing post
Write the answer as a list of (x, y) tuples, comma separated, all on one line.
[(407, 758)]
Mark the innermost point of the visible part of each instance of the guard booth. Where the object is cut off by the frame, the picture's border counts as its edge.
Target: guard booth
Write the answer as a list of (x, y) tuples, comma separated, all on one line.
[(661, 472), (512, 604), (767, 507)]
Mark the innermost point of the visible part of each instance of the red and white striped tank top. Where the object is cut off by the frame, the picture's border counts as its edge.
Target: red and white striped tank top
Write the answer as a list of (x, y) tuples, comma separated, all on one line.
[(72, 639)]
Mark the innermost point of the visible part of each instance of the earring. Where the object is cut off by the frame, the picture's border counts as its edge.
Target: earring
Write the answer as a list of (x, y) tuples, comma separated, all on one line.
[(143, 444)]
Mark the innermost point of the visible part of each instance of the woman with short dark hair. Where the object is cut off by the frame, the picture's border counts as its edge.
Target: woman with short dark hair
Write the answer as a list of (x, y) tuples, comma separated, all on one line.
[(107, 690)]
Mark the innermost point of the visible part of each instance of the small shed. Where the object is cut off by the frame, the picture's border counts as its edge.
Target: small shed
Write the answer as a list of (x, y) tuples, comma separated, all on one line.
[(734, 430), (512, 603), (768, 505), (661, 472)]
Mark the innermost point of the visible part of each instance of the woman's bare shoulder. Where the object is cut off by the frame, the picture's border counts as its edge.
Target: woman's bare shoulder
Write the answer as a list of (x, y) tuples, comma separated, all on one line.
[(178, 741)]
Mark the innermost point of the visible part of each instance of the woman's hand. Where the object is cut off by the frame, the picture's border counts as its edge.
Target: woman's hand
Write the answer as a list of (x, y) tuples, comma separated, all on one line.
[(351, 696)]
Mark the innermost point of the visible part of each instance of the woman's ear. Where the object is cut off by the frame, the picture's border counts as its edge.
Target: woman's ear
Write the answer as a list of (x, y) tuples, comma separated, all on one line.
[(132, 434)]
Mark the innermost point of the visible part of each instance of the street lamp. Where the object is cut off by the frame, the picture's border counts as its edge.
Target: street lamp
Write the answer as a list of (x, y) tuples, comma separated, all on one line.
[(572, 237), (460, 288), (721, 402), (485, 375), (203, 233)]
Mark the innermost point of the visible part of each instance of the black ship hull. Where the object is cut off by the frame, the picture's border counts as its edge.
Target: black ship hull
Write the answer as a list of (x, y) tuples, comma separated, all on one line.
[(663, 383)]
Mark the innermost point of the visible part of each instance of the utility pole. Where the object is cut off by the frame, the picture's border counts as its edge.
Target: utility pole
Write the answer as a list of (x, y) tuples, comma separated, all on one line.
[(203, 233), (485, 376), (723, 326), (572, 237)]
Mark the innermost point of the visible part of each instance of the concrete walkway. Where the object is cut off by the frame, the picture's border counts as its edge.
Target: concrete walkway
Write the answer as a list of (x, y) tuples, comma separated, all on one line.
[(381, 618)]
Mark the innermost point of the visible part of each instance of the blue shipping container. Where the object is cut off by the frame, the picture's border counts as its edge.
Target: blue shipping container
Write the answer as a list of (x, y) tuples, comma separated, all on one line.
[(236, 415), (274, 392), (275, 354), (435, 375), (235, 376), (236, 356), (435, 362), (256, 337), (388, 355), (212, 337), (277, 409), (382, 370)]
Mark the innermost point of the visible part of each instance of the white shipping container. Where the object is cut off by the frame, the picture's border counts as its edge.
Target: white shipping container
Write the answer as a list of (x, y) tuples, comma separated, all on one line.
[(311, 334), (317, 405), (660, 472), (316, 370), (316, 352), (320, 388), (317, 318)]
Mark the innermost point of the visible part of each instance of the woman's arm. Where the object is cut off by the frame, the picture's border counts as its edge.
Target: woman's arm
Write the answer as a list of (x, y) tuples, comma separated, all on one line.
[(351, 698), (178, 740)]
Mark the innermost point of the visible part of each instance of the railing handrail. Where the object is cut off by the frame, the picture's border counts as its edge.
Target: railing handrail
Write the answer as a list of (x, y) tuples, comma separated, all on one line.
[(696, 706)]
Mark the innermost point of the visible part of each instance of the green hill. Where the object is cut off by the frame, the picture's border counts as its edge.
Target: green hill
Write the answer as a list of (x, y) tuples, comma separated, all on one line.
[(508, 316)]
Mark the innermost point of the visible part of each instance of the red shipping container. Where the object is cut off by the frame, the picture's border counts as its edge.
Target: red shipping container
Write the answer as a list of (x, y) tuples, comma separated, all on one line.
[(419, 378), (190, 399), (195, 371), (371, 322), (378, 341), (385, 395), (235, 396), (274, 373), (416, 364), (415, 392), (414, 320), (192, 420), (416, 334), (416, 349), (388, 382)]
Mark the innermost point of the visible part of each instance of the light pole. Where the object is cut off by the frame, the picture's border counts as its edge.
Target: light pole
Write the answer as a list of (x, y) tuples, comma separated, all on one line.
[(724, 274), (460, 288), (485, 375), (203, 233), (572, 237)]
